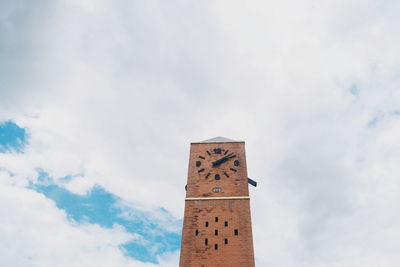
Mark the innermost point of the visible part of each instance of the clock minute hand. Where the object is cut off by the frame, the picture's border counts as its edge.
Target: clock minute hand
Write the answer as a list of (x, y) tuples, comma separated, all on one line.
[(223, 159), (230, 155), (220, 161)]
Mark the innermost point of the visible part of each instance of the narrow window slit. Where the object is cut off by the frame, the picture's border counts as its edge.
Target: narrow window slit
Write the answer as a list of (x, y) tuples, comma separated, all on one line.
[(236, 232)]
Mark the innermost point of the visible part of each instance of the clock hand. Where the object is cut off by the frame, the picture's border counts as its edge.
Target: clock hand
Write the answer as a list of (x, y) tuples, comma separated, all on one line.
[(230, 156), (223, 159), (220, 161)]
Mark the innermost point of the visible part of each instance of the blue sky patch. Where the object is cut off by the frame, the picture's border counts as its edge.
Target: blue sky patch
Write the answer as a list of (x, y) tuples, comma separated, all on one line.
[(380, 116), (105, 209), (372, 123), (12, 137), (354, 90)]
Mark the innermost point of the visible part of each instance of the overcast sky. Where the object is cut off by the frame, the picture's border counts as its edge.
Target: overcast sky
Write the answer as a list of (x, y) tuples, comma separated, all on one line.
[(99, 101)]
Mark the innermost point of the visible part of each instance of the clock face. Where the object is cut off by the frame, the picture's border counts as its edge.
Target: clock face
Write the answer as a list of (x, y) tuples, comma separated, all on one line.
[(217, 163)]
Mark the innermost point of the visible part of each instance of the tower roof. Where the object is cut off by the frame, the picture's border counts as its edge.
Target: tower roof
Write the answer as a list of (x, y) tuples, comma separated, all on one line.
[(219, 139)]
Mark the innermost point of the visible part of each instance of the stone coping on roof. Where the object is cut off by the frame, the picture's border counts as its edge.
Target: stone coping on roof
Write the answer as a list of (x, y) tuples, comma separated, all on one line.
[(218, 139)]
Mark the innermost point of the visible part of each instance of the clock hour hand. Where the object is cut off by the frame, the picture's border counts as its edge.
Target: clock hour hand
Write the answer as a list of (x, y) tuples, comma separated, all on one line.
[(223, 159)]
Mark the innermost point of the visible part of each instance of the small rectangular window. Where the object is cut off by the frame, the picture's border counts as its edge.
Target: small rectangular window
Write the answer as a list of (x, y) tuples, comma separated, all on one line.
[(226, 224), (226, 241), (216, 219), (197, 232), (216, 232), (236, 232), (206, 241), (206, 224), (216, 246), (216, 189)]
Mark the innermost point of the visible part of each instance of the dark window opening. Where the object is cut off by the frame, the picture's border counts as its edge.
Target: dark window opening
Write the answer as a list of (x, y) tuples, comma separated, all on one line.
[(216, 246), (226, 224), (206, 241), (236, 232), (216, 219), (206, 224), (197, 232), (216, 232), (226, 241)]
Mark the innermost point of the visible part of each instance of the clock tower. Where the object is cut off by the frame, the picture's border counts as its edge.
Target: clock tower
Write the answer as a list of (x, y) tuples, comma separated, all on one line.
[(217, 223)]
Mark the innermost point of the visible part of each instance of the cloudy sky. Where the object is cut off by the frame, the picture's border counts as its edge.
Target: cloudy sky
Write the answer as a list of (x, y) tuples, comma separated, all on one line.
[(99, 101)]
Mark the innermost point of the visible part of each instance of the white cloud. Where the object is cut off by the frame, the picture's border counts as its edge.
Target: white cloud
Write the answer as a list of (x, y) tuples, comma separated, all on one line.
[(35, 233), (116, 91)]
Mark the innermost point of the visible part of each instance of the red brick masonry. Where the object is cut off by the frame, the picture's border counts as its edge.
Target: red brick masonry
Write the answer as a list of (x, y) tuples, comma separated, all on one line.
[(217, 232)]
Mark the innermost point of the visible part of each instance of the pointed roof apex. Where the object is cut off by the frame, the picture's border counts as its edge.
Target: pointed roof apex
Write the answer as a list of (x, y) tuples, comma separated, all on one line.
[(219, 139)]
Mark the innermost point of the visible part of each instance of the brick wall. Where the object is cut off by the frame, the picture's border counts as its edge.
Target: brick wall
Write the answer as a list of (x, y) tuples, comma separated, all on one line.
[(217, 232)]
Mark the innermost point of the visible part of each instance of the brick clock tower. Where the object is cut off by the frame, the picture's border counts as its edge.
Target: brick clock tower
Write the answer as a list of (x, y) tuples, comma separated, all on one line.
[(217, 224)]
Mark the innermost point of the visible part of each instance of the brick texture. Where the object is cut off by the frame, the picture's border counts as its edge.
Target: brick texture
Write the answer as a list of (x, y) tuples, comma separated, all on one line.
[(217, 232)]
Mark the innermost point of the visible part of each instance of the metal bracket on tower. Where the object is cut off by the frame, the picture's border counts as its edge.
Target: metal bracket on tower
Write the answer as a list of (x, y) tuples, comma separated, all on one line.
[(252, 182)]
